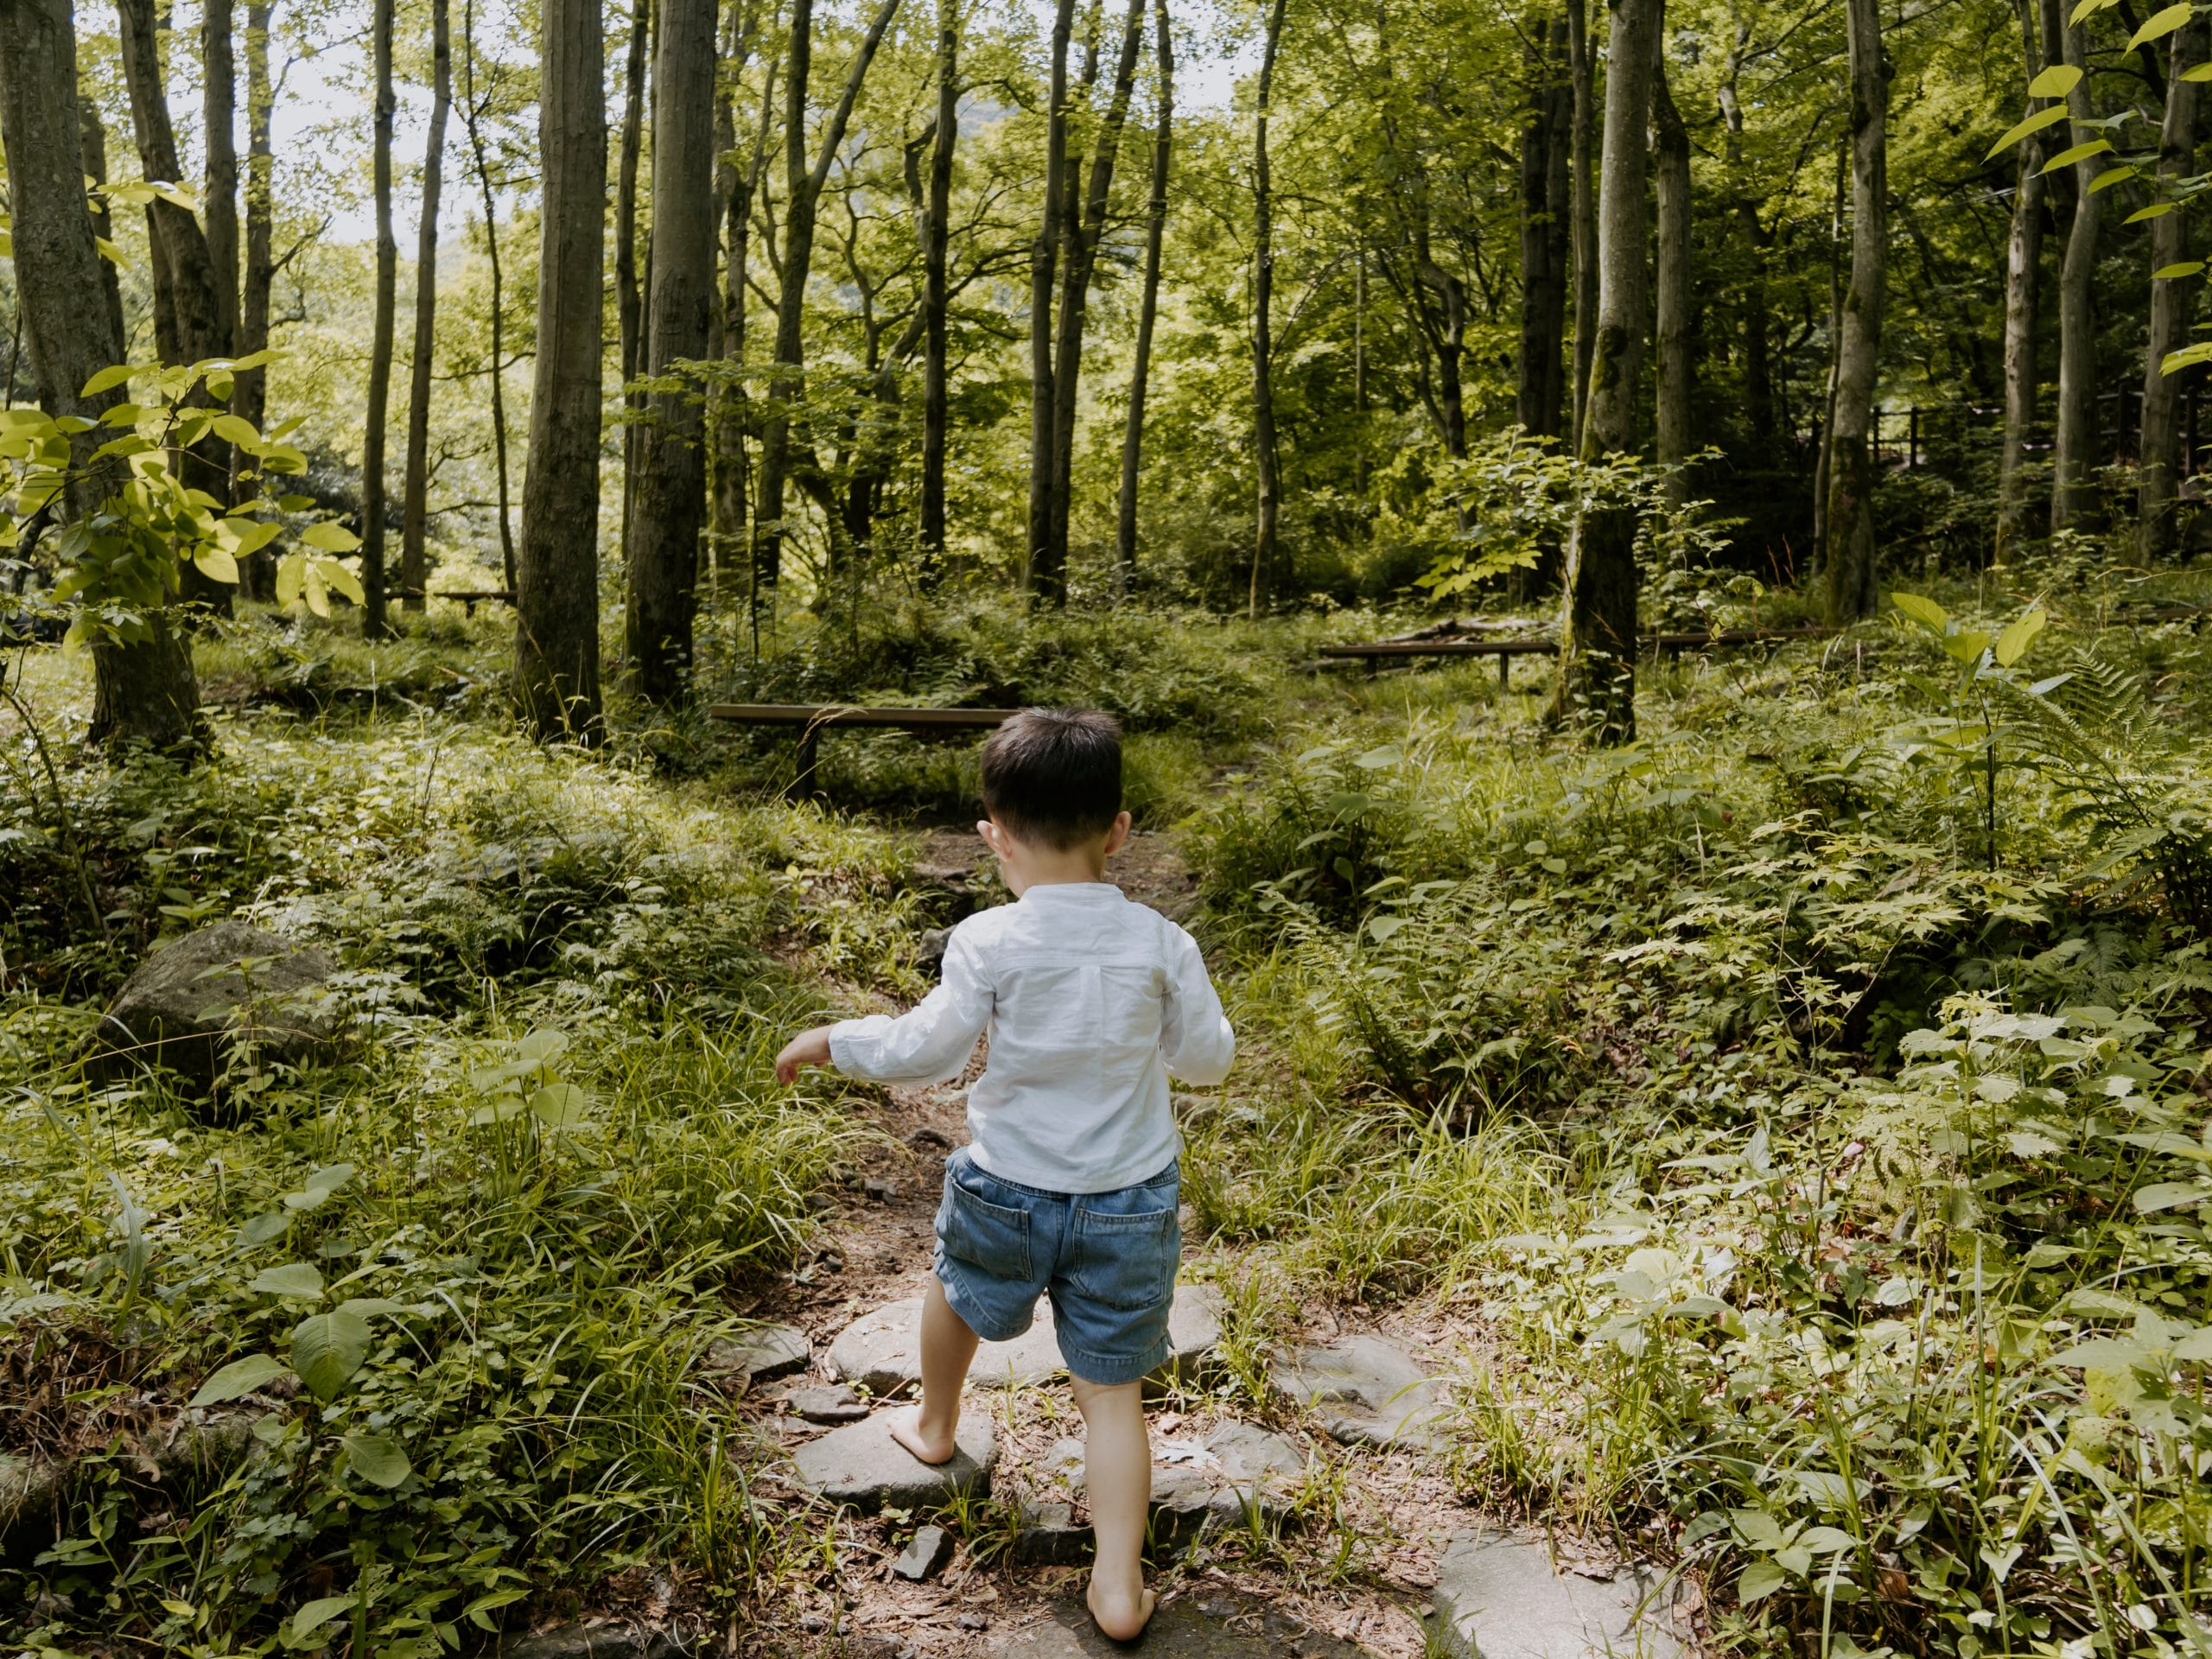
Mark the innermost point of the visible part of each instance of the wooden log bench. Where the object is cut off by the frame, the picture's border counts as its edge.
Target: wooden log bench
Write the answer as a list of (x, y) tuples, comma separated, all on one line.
[(810, 718), (1505, 651)]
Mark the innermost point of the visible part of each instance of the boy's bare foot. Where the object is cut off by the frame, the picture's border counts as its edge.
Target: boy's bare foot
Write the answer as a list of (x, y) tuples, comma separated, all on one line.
[(908, 1429), (1116, 1614)]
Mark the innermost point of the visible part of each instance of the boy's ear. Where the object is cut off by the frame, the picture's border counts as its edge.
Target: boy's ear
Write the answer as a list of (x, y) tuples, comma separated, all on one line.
[(1118, 836)]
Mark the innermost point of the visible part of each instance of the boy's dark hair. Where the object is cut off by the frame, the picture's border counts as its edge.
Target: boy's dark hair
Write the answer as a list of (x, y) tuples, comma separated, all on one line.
[(1054, 775)]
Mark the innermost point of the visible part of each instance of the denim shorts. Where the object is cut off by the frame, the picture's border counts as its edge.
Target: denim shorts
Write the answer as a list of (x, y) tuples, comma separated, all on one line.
[(1107, 1259)]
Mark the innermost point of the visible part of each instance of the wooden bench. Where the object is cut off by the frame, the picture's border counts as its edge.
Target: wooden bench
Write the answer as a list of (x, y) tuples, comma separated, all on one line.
[(1506, 650), (467, 599), (810, 718)]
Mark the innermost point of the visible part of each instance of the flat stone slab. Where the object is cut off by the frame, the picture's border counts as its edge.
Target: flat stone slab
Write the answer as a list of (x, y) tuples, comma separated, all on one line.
[(770, 1350), (1200, 1627), (831, 1403), (1363, 1391), (882, 1350), (861, 1465), (1500, 1597), (1233, 1471)]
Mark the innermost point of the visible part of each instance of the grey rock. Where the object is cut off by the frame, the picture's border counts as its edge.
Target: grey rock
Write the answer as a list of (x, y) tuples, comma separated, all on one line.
[(1499, 1597), (1218, 1627), (878, 1189), (1364, 1391), (883, 1349), (878, 1645), (621, 1641), (973, 1622), (924, 1555), (834, 1403), (928, 949), (1239, 1471), (227, 993), (765, 1353), (927, 1139), (1048, 1536), (861, 1465)]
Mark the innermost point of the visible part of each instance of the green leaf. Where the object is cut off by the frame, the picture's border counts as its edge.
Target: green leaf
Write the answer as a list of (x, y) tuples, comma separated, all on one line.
[(2173, 362), (2171, 1195), (2109, 177), (236, 428), (2036, 122), (2197, 72), (2075, 152), (1967, 645), (2056, 81), (2186, 268), (331, 538), (313, 1616), (295, 503), (214, 563), (2103, 1354), (376, 1459), (2195, 1345), (292, 1279), (342, 579), (2159, 24), (2017, 634), (238, 1378), (560, 1105), (1760, 1579), (2156, 210), (541, 1048), (107, 380), (1926, 612), (330, 1178), (328, 1348)]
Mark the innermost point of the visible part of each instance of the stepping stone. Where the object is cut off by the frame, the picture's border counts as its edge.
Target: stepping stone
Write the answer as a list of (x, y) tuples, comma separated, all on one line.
[(882, 1350), (833, 1403), (1213, 1626), (925, 1554), (769, 1350), (1499, 1597), (1363, 1391), (1235, 1470), (621, 1641), (1048, 1536), (861, 1465)]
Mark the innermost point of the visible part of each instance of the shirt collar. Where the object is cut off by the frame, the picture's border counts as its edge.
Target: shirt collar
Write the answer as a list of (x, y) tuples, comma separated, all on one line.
[(1096, 890)]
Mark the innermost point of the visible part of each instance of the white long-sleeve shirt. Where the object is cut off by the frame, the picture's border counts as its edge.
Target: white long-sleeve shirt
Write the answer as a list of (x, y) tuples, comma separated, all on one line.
[(1092, 1001)]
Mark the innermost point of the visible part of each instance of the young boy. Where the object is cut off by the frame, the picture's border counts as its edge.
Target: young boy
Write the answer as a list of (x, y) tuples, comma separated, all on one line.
[(1069, 1186)]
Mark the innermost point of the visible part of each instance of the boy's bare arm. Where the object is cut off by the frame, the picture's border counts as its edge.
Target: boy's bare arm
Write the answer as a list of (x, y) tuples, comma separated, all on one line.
[(808, 1048)]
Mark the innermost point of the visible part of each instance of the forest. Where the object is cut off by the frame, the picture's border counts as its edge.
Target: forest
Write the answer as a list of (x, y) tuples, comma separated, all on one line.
[(1650, 562)]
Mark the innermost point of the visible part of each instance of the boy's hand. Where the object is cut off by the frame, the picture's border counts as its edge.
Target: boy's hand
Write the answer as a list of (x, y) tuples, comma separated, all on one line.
[(808, 1048)]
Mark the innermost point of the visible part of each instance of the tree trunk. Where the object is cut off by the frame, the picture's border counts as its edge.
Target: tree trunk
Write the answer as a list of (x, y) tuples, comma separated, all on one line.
[(2022, 280), (672, 497), (92, 141), (1825, 453), (375, 624), (802, 192), (472, 114), (249, 395), (2073, 492), (143, 691), (2158, 456), (1543, 282), (1582, 75), (415, 491), (936, 297), (556, 562), (1849, 553), (1038, 575), (1597, 628), (730, 402), (1163, 135), (1265, 467), (1672, 411), (1759, 373), (629, 301), (219, 71)]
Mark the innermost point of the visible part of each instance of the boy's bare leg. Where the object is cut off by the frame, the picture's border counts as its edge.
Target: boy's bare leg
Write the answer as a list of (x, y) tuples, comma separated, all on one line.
[(1117, 1481), (947, 1346)]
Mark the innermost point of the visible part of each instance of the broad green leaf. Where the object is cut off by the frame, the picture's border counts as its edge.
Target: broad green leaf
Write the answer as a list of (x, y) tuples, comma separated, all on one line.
[(114, 255), (2197, 72), (2173, 362), (1926, 612), (328, 1348), (343, 579), (2103, 1354), (376, 1459), (295, 503), (318, 594), (1757, 1528), (2156, 210), (253, 360), (238, 1378), (263, 1228), (214, 563), (1760, 1579), (236, 428), (560, 1105), (2171, 1195), (2109, 177), (249, 537), (2036, 122), (2159, 24), (313, 1615), (292, 1279), (2056, 81), (2197, 1345), (2016, 637), (2090, 8), (330, 1178), (365, 1305), (290, 570), (331, 538), (107, 380), (541, 1048), (2186, 268), (2075, 152), (1967, 645)]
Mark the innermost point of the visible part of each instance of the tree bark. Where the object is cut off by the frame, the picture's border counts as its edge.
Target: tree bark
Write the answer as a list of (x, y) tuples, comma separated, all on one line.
[(1672, 406), (731, 403), (556, 562), (629, 301), (936, 297), (1266, 468), (1582, 75), (375, 623), (142, 691), (250, 393), (2073, 492), (1849, 552), (1038, 575), (415, 489), (671, 497), (2023, 283), (802, 196), (219, 91), (1544, 136), (2158, 456), (1163, 135), (1825, 453), (1759, 371), (92, 141), (1596, 687), (471, 115)]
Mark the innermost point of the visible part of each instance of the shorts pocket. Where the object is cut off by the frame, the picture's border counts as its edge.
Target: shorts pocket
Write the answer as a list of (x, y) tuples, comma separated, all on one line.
[(982, 1233), (1125, 1261)]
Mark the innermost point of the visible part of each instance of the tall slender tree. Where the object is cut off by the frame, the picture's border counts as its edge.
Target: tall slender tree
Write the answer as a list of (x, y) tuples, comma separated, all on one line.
[(629, 292), (1597, 628), (250, 394), (1848, 553), (375, 623), (937, 240), (731, 408), (1545, 136), (2073, 490), (1582, 74), (2023, 286), (2158, 456), (473, 114), (1038, 574), (414, 486), (1155, 226), (663, 553), (1265, 467), (1671, 159), (93, 144), (557, 562), (219, 107)]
